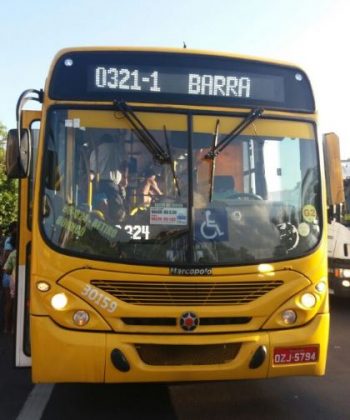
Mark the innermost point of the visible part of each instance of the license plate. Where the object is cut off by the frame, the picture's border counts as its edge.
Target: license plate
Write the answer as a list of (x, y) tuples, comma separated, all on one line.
[(290, 355)]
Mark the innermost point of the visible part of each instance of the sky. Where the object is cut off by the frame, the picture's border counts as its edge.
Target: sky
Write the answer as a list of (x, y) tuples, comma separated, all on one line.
[(313, 34)]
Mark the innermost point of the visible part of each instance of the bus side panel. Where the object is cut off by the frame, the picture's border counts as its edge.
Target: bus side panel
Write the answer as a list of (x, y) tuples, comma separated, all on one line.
[(22, 350)]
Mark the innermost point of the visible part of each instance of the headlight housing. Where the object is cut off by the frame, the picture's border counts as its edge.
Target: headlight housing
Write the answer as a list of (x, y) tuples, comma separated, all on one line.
[(66, 308), (300, 308)]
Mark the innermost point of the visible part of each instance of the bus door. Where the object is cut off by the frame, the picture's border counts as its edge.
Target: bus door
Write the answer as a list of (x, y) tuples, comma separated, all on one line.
[(31, 121)]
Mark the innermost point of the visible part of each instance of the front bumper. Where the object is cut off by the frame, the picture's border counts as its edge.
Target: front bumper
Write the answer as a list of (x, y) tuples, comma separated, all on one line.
[(62, 355)]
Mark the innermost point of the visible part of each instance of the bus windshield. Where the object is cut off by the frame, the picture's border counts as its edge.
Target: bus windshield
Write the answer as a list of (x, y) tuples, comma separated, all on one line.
[(106, 194)]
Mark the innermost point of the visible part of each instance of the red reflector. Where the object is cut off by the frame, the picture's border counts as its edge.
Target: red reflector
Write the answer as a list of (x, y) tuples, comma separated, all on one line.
[(288, 355)]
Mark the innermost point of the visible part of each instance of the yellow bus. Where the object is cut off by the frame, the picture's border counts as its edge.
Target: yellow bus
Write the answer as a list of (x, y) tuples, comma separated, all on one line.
[(172, 219)]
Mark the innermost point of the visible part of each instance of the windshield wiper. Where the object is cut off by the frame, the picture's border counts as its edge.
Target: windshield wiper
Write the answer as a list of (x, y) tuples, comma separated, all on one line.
[(146, 138), (171, 162), (212, 172), (249, 119)]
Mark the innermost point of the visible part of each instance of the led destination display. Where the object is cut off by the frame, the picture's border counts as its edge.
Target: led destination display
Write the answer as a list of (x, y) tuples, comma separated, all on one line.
[(179, 78), (195, 82)]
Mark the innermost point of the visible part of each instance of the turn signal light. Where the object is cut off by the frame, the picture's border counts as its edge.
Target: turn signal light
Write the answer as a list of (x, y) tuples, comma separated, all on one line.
[(43, 286)]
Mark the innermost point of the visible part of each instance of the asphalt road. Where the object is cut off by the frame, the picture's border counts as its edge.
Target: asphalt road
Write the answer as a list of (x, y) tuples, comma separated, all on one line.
[(299, 398)]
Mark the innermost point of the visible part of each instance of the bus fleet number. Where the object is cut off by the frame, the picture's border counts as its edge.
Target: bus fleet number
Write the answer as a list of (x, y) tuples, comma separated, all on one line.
[(99, 299)]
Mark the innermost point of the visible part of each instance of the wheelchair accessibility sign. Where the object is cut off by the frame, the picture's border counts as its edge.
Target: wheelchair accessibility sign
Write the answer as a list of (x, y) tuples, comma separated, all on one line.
[(211, 225)]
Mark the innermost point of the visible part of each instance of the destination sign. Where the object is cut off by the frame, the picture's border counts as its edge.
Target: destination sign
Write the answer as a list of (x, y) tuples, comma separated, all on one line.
[(179, 78), (196, 82)]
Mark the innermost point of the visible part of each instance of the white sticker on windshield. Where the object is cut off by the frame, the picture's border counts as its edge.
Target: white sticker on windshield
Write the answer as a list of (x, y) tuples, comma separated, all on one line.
[(304, 229), (168, 216)]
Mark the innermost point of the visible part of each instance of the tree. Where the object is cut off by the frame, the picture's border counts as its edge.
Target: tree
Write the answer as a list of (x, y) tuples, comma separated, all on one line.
[(2, 131), (8, 187)]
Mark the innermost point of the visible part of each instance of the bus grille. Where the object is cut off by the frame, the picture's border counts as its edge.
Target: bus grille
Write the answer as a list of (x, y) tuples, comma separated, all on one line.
[(176, 355), (187, 294), (172, 322)]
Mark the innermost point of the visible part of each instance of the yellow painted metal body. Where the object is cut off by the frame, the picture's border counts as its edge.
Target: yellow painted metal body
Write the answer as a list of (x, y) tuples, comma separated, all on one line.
[(63, 352), (62, 355)]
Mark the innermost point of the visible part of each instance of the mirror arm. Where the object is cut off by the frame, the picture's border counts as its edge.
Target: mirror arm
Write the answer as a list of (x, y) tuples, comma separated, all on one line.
[(22, 100)]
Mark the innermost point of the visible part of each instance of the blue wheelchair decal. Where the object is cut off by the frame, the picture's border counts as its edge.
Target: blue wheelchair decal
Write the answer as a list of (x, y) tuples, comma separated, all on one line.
[(211, 225)]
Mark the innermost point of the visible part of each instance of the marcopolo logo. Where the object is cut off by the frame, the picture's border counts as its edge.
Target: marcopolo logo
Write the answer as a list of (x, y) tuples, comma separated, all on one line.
[(189, 321), (191, 271)]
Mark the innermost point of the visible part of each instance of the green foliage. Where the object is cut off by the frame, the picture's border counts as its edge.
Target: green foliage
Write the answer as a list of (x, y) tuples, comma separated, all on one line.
[(2, 131), (8, 188)]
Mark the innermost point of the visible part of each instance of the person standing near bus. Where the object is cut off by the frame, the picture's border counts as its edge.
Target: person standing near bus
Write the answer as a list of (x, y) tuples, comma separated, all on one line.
[(109, 173), (10, 270), (2, 240), (9, 246)]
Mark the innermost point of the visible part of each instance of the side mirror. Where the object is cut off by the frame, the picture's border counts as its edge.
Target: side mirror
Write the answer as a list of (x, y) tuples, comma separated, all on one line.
[(18, 154), (334, 176)]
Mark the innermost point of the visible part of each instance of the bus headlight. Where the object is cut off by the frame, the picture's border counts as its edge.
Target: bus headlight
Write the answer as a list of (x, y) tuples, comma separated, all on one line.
[(81, 318), (289, 316), (308, 300), (299, 308), (59, 301)]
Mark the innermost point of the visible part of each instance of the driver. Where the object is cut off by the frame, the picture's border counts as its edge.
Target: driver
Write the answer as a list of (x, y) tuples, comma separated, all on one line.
[(224, 187), (109, 174)]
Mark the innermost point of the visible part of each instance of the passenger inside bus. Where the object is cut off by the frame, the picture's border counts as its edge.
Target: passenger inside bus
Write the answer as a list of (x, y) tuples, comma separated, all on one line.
[(150, 186)]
